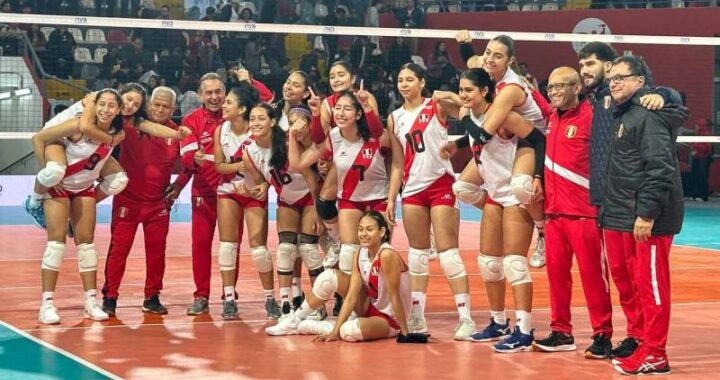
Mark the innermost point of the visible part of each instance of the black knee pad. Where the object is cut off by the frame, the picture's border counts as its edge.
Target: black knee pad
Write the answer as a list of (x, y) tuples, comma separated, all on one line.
[(288, 237), (327, 210), (315, 272), (308, 239)]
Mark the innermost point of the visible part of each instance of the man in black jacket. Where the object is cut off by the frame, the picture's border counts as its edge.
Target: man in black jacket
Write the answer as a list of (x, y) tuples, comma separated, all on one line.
[(642, 208)]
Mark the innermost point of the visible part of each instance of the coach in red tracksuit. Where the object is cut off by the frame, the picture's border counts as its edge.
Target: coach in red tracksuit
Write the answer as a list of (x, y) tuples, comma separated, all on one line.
[(571, 220), (197, 154), (149, 162)]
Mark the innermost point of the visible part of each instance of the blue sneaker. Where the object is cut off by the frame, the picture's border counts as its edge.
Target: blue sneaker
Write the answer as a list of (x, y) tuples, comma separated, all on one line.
[(37, 213), (516, 342), (493, 331)]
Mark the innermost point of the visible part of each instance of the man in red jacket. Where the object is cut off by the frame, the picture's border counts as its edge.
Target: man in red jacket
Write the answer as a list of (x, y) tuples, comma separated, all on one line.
[(149, 162), (571, 220), (197, 155)]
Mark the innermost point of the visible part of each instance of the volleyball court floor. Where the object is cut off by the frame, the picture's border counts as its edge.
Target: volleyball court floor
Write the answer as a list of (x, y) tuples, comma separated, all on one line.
[(135, 345)]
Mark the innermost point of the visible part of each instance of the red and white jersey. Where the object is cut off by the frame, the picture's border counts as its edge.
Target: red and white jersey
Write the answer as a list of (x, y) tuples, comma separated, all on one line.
[(360, 168), (529, 109), (290, 187), (283, 121), (72, 112), (495, 163), (421, 134), (85, 158), (329, 104), (376, 287), (233, 147)]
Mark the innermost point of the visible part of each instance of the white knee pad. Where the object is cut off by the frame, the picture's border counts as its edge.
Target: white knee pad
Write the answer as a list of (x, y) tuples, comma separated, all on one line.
[(51, 174), (87, 257), (326, 284), (53, 256), (418, 262), (516, 270), (521, 186), (491, 268), (262, 259), (311, 256), (114, 183), (350, 331), (452, 264), (346, 254), (227, 255), (286, 254), (468, 192)]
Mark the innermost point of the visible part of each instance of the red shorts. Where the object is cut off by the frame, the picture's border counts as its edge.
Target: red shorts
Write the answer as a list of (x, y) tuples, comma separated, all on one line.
[(440, 193), (377, 205), (89, 192), (243, 201), (303, 202), (374, 312)]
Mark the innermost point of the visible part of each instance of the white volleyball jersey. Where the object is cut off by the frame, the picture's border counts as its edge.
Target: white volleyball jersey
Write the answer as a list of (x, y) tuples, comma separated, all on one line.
[(376, 287), (360, 167), (233, 147), (290, 187), (85, 159), (422, 135), (529, 109), (495, 163), (72, 112)]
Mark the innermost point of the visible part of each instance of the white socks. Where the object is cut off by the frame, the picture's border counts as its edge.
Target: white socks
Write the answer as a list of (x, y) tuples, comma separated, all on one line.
[(418, 304), (269, 293), (90, 294), (523, 320), (499, 317), (296, 289), (229, 292), (48, 296), (462, 302)]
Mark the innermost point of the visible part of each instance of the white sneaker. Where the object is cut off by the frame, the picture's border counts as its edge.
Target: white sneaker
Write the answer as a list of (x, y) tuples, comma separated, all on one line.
[(332, 254), (417, 324), (48, 314), (464, 329), (285, 326), (95, 312), (308, 327), (318, 315), (537, 259)]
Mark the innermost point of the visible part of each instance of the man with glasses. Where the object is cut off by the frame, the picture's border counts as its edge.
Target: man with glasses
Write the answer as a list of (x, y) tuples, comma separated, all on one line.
[(642, 208), (571, 224)]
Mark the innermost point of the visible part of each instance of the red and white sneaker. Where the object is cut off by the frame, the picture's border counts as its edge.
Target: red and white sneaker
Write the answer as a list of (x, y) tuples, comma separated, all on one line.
[(649, 365)]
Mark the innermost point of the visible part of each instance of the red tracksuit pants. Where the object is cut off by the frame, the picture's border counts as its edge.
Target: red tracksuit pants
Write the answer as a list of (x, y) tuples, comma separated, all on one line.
[(641, 272), (204, 219), (126, 216), (563, 237)]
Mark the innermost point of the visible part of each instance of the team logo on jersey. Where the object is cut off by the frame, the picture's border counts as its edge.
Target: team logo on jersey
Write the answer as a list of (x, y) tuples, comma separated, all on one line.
[(607, 102), (367, 153), (424, 118), (123, 212), (621, 131), (570, 131), (169, 141)]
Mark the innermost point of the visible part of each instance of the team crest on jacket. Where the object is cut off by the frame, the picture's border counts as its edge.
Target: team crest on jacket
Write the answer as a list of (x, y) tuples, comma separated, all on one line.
[(367, 153), (424, 118), (607, 102), (621, 131), (570, 131)]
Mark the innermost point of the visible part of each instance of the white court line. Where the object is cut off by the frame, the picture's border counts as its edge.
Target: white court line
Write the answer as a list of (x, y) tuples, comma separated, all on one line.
[(264, 321), (59, 350)]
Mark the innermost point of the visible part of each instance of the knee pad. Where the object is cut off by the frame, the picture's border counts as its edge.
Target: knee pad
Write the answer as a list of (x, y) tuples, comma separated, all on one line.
[(327, 210), (227, 255), (521, 186), (516, 270), (53, 256), (418, 262), (262, 259), (452, 264), (491, 268), (87, 257), (114, 183), (468, 192), (345, 263), (286, 254), (350, 331), (311, 256), (288, 237), (51, 174), (325, 285)]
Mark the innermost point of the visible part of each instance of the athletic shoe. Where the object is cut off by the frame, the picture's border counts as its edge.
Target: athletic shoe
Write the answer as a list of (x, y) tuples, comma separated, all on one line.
[(600, 348), (625, 348), (464, 329), (308, 327), (199, 306), (516, 342), (286, 308), (555, 342), (272, 308), (37, 213), (109, 306), (537, 259), (332, 253), (297, 301), (493, 331), (417, 324), (318, 315), (648, 365), (152, 305), (94, 312), (639, 354), (230, 309), (285, 326), (338, 305), (48, 313)]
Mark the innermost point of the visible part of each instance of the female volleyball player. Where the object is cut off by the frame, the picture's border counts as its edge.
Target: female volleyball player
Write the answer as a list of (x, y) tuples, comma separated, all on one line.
[(296, 91)]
